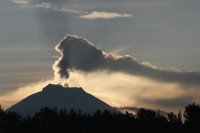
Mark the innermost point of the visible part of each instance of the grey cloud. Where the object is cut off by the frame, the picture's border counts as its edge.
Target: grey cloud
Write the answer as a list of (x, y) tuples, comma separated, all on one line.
[(178, 102), (33, 2), (79, 54), (134, 109), (61, 5)]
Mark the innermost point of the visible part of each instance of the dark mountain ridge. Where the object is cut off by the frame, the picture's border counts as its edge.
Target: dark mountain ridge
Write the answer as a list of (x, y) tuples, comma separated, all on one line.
[(61, 97)]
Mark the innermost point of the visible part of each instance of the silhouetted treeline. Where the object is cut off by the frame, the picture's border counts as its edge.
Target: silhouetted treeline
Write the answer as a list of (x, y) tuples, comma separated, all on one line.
[(62, 121)]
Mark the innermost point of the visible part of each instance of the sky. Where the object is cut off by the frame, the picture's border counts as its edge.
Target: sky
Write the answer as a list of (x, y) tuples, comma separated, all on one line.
[(158, 35)]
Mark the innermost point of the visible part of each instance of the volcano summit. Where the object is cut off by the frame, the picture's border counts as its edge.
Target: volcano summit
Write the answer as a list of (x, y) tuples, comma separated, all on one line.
[(61, 97)]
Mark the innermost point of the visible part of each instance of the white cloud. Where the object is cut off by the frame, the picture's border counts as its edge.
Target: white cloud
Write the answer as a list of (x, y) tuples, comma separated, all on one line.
[(64, 9), (43, 5), (104, 15), (24, 2), (117, 51), (148, 64)]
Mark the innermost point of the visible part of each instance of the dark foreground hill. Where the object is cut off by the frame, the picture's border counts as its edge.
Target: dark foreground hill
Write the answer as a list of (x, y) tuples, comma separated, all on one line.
[(61, 97)]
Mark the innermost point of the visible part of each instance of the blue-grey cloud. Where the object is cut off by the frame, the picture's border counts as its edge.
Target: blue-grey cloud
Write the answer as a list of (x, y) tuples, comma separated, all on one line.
[(79, 54)]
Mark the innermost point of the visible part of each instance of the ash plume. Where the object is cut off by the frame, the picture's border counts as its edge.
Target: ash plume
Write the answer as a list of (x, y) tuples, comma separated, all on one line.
[(79, 54)]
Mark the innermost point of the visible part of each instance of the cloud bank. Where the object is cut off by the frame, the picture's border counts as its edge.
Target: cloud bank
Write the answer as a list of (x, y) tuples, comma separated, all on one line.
[(79, 54), (55, 5), (120, 89), (63, 6), (104, 15)]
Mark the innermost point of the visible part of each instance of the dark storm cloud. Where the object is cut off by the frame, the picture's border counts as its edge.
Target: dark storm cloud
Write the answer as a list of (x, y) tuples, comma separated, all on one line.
[(79, 54)]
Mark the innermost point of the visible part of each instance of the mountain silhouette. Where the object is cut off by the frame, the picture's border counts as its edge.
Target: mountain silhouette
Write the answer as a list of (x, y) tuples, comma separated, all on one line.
[(61, 97)]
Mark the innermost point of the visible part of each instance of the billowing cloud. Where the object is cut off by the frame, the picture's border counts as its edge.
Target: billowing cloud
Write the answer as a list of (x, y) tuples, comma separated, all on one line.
[(79, 54), (104, 15)]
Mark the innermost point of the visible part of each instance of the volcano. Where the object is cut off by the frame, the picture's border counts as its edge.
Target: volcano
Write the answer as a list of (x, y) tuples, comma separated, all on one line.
[(61, 97)]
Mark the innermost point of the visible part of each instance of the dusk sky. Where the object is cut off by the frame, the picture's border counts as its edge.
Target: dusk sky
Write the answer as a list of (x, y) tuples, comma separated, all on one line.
[(135, 53)]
